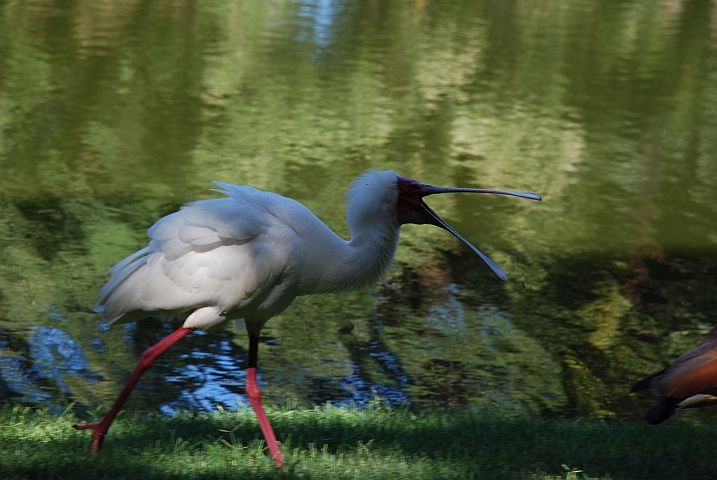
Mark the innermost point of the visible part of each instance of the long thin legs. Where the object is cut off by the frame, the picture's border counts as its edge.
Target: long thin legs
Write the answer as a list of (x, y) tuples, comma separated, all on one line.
[(148, 357), (254, 394)]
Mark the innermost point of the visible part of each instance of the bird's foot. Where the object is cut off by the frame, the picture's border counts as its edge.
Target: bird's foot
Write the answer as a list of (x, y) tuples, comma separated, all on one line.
[(98, 435), (278, 458)]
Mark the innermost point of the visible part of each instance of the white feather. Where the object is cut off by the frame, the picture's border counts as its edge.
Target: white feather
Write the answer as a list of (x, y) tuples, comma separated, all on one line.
[(249, 255)]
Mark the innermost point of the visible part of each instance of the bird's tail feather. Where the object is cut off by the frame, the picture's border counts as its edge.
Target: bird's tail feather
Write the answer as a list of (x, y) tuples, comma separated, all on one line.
[(662, 410)]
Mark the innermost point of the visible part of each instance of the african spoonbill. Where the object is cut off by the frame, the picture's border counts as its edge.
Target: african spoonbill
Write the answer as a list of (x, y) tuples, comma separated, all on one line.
[(249, 255)]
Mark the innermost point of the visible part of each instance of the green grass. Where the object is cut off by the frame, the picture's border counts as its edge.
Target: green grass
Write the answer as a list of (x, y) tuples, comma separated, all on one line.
[(340, 443)]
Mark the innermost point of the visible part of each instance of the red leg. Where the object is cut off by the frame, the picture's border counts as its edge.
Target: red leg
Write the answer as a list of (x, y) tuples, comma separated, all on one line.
[(254, 394), (148, 357)]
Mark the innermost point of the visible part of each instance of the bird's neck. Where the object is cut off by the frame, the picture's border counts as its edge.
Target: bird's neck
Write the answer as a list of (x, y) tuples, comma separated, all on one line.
[(353, 265)]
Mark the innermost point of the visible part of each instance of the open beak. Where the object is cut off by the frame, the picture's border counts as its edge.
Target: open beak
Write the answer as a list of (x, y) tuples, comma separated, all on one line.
[(412, 209)]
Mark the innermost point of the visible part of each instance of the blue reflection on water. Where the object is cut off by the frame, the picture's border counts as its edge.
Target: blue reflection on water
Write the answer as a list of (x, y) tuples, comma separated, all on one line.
[(319, 16), (210, 377), (35, 371), (55, 354), (54, 313), (15, 377), (361, 392), (391, 363), (448, 316)]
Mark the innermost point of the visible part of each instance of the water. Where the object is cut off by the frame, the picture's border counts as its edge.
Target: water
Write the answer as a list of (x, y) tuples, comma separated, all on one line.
[(115, 114)]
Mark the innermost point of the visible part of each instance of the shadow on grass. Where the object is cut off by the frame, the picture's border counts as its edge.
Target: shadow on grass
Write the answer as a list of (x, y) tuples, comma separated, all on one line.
[(346, 443)]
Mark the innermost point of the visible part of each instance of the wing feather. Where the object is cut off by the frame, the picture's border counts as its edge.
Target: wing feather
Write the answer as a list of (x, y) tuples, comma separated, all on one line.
[(130, 259), (223, 252), (689, 381), (693, 372), (196, 235)]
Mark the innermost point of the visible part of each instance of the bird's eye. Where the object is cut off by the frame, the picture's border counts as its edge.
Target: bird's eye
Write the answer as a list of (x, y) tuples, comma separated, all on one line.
[(404, 188)]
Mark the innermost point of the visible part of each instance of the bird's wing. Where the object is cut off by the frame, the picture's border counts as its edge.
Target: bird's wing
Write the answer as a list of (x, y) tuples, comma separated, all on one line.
[(693, 372), (224, 252)]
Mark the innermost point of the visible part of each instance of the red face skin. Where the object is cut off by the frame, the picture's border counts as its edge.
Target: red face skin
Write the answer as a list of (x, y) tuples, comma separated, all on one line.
[(410, 208)]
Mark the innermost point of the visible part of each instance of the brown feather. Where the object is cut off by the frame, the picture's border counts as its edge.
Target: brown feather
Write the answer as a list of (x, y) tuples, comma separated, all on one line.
[(691, 381), (685, 382)]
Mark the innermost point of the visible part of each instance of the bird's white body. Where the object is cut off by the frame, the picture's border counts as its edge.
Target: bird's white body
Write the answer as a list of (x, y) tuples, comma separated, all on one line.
[(248, 256)]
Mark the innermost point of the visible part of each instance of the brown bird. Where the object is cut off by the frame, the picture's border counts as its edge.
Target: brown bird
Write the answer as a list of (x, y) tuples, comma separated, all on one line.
[(690, 382)]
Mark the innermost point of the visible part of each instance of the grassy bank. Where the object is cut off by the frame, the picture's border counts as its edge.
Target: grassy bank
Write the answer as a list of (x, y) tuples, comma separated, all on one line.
[(348, 443)]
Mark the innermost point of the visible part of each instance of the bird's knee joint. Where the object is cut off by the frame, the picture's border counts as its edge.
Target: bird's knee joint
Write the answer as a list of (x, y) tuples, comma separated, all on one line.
[(253, 392)]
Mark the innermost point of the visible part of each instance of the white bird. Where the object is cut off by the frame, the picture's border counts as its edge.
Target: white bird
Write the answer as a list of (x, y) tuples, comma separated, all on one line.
[(248, 256)]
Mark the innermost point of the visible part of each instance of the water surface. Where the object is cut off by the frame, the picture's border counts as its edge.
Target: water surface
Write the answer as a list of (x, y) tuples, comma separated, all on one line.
[(113, 114)]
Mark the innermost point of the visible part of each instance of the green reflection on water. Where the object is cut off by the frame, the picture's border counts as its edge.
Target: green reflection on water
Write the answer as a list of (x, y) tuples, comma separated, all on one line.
[(113, 115)]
